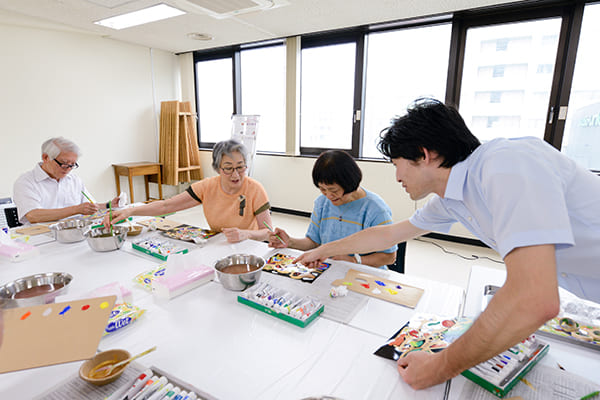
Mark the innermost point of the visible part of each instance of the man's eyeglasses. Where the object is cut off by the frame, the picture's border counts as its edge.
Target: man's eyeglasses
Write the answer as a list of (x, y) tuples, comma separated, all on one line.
[(66, 165), (229, 170)]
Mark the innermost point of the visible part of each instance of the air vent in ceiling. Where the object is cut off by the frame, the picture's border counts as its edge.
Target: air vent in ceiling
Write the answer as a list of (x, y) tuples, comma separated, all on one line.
[(228, 8)]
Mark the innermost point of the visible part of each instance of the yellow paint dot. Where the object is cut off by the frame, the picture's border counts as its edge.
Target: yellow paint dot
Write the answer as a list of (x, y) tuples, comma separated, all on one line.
[(392, 291), (104, 304)]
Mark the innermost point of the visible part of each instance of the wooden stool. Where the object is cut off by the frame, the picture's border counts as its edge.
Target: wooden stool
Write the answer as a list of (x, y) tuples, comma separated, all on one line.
[(138, 169)]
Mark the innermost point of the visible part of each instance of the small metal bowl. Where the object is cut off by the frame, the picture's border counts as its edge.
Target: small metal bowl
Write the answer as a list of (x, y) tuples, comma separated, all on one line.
[(230, 271), (34, 290), (116, 355), (70, 231), (101, 239)]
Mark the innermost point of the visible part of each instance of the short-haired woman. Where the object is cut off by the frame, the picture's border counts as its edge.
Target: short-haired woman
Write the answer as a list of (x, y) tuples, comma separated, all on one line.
[(233, 203), (342, 209)]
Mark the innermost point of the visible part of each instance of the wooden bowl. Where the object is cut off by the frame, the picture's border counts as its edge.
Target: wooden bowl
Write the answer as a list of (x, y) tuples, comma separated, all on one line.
[(117, 355), (134, 230)]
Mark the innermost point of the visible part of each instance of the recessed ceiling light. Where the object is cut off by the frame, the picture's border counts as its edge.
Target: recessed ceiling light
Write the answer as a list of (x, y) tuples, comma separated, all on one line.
[(150, 14), (199, 36)]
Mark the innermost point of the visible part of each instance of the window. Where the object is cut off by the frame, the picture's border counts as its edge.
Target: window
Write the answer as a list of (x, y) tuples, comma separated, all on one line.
[(394, 79), (214, 89), (501, 44), (517, 113), (581, 139), (327, 96), (263, 93)]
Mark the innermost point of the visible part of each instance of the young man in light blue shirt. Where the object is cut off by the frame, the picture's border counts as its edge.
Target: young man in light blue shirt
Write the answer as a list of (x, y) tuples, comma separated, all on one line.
[(537, 208)]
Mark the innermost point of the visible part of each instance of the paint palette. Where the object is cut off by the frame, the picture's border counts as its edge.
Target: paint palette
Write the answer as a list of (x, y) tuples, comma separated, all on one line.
[(189, 233), (380, 288), (53, 333), (283, 264), (161, 224)]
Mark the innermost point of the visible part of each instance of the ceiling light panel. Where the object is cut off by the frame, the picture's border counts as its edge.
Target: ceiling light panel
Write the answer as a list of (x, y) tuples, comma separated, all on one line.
[(140, 17)]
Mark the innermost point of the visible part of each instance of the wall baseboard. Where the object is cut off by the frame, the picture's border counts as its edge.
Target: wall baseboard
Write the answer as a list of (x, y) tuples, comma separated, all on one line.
[(438, 236)]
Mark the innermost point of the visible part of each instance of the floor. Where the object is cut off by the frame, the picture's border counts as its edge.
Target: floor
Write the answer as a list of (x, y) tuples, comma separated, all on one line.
[(439, 260)]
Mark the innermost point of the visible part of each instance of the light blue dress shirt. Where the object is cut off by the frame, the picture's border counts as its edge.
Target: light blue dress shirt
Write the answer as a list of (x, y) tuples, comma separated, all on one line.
[(522, 192), (329, 222)]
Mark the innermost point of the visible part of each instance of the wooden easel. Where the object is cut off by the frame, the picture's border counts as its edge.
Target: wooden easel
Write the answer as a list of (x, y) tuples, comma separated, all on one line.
[(178, 143)]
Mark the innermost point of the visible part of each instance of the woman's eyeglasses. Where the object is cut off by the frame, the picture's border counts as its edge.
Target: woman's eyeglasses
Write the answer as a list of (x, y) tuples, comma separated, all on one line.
[(229, 170), (67, 165)]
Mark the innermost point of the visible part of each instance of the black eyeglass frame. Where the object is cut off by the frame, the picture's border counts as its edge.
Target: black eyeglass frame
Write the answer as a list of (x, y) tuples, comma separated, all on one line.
[(229, 170), (66, 165)]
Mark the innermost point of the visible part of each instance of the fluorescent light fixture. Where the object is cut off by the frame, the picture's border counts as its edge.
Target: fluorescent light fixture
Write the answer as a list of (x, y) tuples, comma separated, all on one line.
[(150, 14)]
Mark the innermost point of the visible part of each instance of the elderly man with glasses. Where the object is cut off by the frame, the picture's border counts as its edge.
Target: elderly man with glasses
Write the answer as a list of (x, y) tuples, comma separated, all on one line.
[(50, 192)]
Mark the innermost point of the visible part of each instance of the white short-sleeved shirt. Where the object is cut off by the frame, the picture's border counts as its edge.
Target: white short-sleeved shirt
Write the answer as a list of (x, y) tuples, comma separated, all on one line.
[(35, 189), (522, 192)]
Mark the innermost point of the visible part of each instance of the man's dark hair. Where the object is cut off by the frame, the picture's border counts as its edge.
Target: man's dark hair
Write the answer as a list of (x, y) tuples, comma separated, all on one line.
[(336, 166), (432, 125)]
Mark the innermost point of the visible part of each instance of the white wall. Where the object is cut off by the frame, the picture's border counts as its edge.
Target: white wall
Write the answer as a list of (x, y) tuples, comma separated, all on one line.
[(105, 95), (98, 92)]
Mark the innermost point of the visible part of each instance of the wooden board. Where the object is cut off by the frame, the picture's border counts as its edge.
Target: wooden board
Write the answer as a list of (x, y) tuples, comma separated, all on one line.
[(380, 288), (33, 230), (161, 224), (53, 333)]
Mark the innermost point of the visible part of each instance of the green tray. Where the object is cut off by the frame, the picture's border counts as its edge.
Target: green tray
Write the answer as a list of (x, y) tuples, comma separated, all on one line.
[(153, 254), (501, 391), (285, 317)]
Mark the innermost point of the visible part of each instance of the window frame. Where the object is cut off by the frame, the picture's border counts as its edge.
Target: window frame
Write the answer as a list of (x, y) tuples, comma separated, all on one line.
[(570, 12)]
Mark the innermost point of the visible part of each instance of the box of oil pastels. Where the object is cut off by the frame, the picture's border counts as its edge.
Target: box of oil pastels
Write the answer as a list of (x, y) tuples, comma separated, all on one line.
[(280, 303), (502, 372), (158, 246)]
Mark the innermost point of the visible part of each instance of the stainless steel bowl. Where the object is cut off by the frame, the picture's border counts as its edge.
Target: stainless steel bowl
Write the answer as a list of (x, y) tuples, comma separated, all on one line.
[(34, 290), (70, 231), (239, 281), (101, 239)]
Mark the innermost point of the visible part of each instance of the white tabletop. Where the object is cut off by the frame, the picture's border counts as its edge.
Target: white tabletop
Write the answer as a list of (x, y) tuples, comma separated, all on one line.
[(575, 359), (227, 349)]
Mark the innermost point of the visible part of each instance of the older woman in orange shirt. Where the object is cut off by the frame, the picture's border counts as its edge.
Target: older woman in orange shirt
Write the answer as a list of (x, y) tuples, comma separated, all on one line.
[(233, 203)]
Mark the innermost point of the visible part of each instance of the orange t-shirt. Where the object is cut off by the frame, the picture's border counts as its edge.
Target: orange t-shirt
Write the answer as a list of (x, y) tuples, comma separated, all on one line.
[(223, 210)]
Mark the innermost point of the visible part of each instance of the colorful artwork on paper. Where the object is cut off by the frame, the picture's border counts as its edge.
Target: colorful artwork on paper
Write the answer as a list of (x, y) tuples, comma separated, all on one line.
[(424, 332), (573, 331), (283, 264), (189, 233)]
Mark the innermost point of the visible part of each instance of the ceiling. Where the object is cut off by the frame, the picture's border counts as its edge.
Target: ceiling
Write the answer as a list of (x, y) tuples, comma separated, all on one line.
[(227, 21)]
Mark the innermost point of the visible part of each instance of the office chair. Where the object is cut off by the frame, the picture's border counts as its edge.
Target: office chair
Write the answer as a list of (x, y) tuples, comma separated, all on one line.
[(398, 265)]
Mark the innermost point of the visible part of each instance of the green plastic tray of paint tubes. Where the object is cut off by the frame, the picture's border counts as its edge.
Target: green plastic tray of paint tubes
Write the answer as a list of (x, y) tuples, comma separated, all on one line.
[(155, 254), (280, 315), (520, 371)]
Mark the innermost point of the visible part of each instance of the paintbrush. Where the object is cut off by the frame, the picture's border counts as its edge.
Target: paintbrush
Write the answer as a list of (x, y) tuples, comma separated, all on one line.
[(87, 197), (272, 231), (110, 217)]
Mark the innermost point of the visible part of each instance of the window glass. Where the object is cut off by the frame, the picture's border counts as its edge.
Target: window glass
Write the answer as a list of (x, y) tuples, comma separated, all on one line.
[(327, 96), (396, 77), (581, 140), (263, 93), (507, 78), (214, 97)]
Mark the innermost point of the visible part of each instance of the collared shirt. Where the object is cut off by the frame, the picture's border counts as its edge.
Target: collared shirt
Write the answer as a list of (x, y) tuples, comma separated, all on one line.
[(329, 222), (36, 189), (522, 192)]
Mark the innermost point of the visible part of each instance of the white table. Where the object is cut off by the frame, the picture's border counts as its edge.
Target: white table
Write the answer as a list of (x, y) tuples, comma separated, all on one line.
[(229, 350), (575, 359)]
